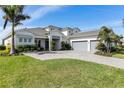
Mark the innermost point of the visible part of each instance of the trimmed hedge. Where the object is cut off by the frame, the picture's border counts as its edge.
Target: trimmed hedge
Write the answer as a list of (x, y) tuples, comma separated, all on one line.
[(25, 48)]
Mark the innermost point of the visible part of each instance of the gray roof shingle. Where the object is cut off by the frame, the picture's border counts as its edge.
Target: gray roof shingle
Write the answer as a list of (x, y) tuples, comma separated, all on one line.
[(35, 31), (93, 33)]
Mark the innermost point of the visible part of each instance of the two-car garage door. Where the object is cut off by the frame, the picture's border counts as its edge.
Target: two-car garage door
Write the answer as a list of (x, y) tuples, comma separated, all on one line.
[(83, 45), (80, 45)]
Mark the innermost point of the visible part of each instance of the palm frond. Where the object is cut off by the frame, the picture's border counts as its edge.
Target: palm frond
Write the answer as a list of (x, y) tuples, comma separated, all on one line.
[(21, 8), (21, 17), (14, 13), (18, 23), (6, 21)]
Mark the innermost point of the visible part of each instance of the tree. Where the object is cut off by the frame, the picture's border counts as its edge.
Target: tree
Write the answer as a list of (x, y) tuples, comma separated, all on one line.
[(105, 37), (14, 15), (117, 39)]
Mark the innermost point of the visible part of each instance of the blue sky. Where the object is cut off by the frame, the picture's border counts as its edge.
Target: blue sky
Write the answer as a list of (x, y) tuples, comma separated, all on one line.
[(85, 17)]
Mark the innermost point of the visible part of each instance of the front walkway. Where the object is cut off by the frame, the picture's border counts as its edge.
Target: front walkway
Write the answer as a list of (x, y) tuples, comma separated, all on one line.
[(116, 62)]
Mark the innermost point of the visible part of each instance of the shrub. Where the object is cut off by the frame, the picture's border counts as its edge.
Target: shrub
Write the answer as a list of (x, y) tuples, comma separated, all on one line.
[(114, 49), (101, 47), (68, 46), (53, 45), (2, 47), (8, 49), (65, 46), (117, 49), (33, 47), (20, 48), (3, 53), (25, 48), (103, 53)]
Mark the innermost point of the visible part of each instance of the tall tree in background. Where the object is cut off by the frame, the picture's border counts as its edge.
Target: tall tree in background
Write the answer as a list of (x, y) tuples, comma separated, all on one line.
[(14, 15)]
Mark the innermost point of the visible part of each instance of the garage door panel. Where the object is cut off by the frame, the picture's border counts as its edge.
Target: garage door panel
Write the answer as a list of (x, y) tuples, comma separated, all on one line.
[(93, 46), (79, 45)]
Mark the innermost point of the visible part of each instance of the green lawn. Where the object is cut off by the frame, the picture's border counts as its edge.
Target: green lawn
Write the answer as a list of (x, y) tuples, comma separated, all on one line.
[(22, 71), (119, 56)]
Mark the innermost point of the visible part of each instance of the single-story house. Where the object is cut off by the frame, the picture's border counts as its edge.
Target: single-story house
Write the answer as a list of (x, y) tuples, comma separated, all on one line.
[(80, 41)]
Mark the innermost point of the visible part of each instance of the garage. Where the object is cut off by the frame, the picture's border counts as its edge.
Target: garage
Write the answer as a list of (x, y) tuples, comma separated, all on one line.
[(80, 45), (93, 45)]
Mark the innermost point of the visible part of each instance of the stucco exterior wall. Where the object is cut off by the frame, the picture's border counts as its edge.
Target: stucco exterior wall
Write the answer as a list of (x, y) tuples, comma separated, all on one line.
[(7, 41), (24, 37), (55, 33), (65, 33)]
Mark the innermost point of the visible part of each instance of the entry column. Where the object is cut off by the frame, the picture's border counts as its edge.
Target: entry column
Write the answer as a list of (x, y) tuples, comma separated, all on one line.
[(50, 40)]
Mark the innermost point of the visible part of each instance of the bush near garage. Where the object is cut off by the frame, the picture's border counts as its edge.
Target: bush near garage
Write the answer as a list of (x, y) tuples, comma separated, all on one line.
[(118, 49), (65, 46), (101, 47)]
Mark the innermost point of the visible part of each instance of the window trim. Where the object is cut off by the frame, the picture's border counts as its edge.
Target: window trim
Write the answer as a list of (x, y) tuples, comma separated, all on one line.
[(29, 40), (25, 40), (20, 38)]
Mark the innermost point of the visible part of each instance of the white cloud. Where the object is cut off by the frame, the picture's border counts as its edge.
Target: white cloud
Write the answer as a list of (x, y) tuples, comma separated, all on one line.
[(114, 23), (42, 11)]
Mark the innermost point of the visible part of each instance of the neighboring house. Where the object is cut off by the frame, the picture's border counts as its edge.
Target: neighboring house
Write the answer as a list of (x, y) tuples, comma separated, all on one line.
[(82, 41)]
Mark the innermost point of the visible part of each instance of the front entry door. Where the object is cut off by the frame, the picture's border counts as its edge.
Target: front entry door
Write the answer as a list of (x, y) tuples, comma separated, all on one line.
[(46, 44), (39, 43)]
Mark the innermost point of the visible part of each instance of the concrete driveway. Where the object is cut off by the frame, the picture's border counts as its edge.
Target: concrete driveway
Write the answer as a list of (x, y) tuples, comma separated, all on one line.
[(116, 62)]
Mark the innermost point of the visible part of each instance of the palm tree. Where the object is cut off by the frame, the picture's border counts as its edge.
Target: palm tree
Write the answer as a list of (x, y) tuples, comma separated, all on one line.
[(14, 15), (105, 37)]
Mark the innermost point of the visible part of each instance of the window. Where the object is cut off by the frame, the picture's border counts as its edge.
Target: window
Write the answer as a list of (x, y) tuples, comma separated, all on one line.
[(36, 42), (25, 40), (20, 39), (29, 40)]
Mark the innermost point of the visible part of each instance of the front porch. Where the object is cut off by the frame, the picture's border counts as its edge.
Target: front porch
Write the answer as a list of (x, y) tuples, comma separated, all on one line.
[(46, 43)]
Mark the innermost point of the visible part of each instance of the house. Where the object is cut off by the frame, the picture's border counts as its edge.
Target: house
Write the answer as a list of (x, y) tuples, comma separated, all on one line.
[(80, 41)]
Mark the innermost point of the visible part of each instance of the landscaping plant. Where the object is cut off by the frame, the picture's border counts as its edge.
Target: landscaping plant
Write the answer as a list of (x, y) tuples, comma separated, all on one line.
[(109, 42), (14, 15)]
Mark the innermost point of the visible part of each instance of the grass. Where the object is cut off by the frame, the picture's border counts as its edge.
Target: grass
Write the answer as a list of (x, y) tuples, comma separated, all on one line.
[(118, 56), (23, 71)]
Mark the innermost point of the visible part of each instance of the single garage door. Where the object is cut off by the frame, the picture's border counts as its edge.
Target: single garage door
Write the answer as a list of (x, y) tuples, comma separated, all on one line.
[(80, 45), (93, 45)]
